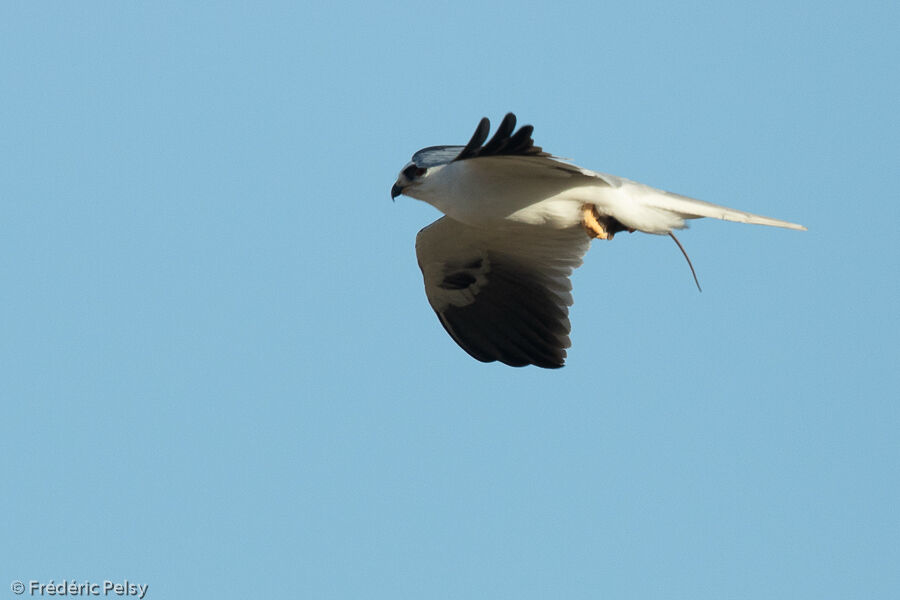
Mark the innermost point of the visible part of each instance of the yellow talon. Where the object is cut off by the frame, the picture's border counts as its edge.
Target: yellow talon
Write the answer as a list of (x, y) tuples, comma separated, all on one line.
[(593, 223)]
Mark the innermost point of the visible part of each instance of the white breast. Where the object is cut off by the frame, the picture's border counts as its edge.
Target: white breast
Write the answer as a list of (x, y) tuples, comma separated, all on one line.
[(485, 191)]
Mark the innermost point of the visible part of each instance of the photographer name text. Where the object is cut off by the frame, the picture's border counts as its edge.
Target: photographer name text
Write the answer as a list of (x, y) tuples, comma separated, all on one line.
[(84, 588)]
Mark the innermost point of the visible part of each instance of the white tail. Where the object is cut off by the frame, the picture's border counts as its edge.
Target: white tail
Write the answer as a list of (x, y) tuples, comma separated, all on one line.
[(692, 209), (687, 208)]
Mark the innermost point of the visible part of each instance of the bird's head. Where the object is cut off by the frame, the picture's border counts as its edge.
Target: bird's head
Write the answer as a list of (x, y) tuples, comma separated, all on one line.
[(408, 180)]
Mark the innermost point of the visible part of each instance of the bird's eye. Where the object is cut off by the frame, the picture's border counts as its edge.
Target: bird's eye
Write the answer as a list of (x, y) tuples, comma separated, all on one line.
[(412, 171)]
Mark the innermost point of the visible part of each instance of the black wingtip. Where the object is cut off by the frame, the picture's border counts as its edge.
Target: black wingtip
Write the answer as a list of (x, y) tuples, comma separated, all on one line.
[(501, 137), (506, 141), (481, 133)]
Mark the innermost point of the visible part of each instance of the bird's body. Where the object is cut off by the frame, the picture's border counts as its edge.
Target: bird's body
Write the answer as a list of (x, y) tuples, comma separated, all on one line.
[(518, 221), (544, 190)]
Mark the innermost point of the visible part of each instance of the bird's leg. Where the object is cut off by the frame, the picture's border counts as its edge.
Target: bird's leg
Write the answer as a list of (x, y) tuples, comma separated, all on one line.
[(595, 225)]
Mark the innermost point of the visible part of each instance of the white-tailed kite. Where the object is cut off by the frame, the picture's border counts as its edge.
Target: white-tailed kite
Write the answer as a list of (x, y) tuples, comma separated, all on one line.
[(518, 221)]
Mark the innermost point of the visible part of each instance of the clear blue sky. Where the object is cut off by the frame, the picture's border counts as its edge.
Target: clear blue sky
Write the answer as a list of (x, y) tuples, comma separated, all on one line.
[(220, 377)]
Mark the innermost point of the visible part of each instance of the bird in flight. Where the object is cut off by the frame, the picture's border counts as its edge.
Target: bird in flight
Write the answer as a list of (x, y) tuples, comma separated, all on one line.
[(517, 223)]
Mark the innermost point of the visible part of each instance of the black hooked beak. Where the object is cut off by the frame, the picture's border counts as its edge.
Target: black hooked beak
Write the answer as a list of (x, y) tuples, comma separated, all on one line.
[(396, 190)]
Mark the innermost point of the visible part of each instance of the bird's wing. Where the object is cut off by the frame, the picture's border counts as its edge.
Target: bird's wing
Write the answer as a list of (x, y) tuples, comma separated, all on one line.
[(505, 142), (502, 294)]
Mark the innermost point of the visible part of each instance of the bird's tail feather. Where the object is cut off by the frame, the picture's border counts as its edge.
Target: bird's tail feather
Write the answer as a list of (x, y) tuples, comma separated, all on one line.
[(692, 209)]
